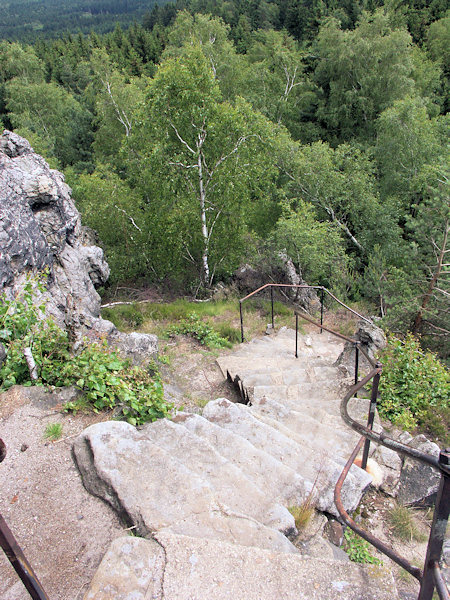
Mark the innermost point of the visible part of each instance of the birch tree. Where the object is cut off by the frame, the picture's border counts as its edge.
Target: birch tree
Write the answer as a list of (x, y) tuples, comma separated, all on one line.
[(200, 160)]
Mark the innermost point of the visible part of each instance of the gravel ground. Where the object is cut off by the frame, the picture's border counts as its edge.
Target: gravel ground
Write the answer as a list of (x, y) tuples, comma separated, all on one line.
[(63, 530)]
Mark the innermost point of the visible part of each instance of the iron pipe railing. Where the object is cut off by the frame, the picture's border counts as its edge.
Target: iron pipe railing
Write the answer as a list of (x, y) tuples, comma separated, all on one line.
[(431, 577), (15, 555), (272, 286), (414, 571)]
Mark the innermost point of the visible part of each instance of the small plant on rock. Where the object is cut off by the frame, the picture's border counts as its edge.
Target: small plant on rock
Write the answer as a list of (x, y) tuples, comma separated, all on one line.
[(302, 514), (358, 549)]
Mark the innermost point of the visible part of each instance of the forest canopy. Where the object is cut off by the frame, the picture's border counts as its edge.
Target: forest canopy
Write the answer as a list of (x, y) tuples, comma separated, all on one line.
[(217, 133)]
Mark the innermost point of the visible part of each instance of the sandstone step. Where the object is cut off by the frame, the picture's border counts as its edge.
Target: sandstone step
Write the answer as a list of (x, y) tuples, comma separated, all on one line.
[(310, 464), (154, 491), (325, 408), (230, 485), (300, 397), (312, 436), (320, 425), (280, 482), (177, 567)]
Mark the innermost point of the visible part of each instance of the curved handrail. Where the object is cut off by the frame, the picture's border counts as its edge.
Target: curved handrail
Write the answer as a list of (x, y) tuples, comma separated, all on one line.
[(380, 438), (431, 577), (322, 289), (414, 571)]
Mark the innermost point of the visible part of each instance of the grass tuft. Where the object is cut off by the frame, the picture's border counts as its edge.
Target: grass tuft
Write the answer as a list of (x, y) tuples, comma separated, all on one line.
[(403, 524), (302, 514), (53, 431)]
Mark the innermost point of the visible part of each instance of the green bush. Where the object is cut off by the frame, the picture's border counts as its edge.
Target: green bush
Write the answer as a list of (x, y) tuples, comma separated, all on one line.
[(201, 331), (414, 386), (106, 380)]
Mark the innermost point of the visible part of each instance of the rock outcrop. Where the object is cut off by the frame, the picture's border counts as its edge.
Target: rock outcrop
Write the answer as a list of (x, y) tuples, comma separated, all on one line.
[(41, 230), (248, 279), (372, 341)]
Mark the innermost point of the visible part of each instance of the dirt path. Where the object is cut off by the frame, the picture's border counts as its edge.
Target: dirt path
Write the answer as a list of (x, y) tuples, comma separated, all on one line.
[(63, 530)]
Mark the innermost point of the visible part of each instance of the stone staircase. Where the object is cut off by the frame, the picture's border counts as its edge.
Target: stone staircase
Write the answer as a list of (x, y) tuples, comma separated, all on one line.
[(209, 494)]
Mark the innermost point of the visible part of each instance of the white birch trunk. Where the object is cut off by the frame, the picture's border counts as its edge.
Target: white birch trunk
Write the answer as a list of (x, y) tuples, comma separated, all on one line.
[(31, 364), (205, 262)]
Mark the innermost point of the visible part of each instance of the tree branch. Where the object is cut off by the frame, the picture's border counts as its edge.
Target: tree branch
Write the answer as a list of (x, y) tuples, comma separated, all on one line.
[(181, 139), (128, 217)]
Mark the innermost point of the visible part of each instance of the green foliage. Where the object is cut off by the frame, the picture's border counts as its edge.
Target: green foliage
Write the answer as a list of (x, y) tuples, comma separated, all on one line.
[(18, 314), (361, 71), (414, 385), (106, 380), (62, 125), (315, 247), (126, 316), (103, 196), (358, 549), (201, 331), (53, 431)]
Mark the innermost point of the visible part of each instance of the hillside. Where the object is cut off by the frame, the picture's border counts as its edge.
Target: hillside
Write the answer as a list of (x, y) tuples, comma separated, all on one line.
[(206, 139), (26, 20)]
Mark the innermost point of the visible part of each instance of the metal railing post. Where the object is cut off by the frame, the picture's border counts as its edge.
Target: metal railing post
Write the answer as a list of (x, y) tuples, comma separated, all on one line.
[(271, 300), (372, 409), (20, 564), (437, 534), (356, 365), (242, 321), (321, 310), (296, 335)]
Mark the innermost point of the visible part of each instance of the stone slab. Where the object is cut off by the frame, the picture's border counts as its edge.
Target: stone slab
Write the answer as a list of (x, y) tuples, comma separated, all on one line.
[(196, 569)]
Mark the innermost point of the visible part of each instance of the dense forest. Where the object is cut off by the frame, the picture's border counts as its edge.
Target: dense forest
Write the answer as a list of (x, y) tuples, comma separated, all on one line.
[(217, 133), (28, 20)]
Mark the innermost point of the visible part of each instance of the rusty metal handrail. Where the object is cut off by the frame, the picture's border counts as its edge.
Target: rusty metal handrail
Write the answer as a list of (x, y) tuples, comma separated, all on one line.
[(323, 290), (414, 571), (16, 557), (431, 576)]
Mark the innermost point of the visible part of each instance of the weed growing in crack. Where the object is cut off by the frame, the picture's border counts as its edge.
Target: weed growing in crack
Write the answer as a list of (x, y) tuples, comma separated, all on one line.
[(302, 514), (358, 549), (403, 524)]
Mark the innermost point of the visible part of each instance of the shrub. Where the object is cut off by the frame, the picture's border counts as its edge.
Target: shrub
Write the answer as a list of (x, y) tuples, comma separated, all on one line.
[(107, 381), (414, 387), (201, 331)]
